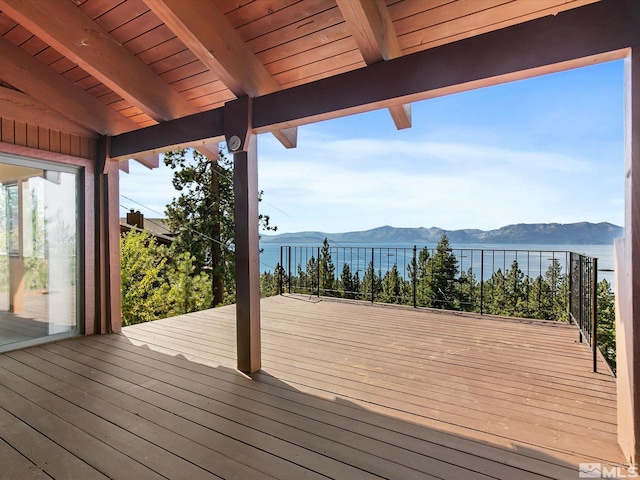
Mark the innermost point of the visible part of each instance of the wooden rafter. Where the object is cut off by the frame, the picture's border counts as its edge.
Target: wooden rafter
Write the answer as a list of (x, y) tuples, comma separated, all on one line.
[(123, 166), (63, 26), (122, 72), (598, 32), (45, 85), (208, 34), (149, 160), (372, 29)]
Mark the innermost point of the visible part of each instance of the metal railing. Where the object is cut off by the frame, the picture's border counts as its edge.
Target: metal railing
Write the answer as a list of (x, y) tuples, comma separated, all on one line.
[(583, 301), (534, 279), (544, 284)]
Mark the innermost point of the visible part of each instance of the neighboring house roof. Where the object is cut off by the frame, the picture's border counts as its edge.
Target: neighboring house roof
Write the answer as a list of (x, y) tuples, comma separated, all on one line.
[(157, 227)]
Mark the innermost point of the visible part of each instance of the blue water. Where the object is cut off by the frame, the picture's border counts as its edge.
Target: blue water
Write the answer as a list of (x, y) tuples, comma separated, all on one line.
[(496, 256)]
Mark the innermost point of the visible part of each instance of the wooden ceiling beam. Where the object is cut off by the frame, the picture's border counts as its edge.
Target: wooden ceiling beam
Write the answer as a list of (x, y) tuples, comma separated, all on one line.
[(372, 29), (68, 30), (194, 131), (207, 33), (597, 32), (35, 79)]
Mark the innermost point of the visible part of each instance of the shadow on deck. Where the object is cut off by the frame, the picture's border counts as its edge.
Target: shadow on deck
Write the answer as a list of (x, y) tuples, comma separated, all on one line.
[(347, 391)]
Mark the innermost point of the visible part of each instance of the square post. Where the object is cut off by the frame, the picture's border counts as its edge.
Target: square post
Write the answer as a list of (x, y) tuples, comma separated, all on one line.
[(108, 314), (244, 147), (627, 281)]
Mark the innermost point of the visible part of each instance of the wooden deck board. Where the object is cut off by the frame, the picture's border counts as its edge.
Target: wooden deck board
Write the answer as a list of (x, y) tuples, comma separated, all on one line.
[(347, 390)]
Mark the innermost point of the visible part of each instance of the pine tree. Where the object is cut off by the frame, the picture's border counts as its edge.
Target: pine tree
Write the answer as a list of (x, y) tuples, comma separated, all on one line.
[(202, 216), (392, 286), (419, 273), (442, 270), (371, 284), (346, 282), (516, 289), (468, 291), (606, 335), (558, 291), (496, 297), (311, 284), (327, 270)]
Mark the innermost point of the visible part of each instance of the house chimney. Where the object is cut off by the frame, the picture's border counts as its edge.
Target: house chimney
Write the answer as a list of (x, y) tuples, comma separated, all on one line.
[(136, 219)]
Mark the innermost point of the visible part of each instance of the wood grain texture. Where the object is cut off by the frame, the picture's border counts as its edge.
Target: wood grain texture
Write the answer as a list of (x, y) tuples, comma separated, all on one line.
[(88, 45), (346, 390), (57, 92)]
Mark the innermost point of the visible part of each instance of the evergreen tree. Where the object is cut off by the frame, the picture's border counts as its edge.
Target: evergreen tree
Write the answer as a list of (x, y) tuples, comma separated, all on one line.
[(515, 290), (421, 275), (327, 270), (157, 282), (189, 291), (443, 269), (468, 291), (496, 297), (392, 286), (606, 334), (371, 284), (558, 291), (540, 304), (300, 282), (346, 282), (311, 283), (202, 216), (356, 285)]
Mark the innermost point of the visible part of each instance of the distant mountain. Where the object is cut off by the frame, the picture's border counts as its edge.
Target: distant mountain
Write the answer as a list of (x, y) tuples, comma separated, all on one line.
[(582, 233)]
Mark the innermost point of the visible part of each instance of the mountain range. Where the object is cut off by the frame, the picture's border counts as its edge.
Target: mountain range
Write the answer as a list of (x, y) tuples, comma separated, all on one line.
[(581, 233)]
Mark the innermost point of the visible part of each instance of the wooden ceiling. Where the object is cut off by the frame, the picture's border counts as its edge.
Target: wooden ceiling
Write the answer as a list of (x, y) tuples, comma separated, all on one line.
[(104, 67)]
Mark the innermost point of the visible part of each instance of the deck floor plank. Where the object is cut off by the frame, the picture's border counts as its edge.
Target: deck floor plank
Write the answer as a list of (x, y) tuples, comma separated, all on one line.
[(347, 390), (272, 391)]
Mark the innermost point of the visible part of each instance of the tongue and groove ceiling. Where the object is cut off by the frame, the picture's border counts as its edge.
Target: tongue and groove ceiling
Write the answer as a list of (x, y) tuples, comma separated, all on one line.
[(105, 67)]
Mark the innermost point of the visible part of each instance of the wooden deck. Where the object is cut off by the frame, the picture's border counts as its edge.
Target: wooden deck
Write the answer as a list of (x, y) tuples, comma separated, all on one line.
[(347, 391)]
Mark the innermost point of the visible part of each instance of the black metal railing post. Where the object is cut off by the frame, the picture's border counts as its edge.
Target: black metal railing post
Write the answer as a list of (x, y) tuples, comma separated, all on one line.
[(414, 276), (280, 273), (318, 271), (594, 312), (580, 292), (289, 268), (373, 270), (570, 285), (481, 282)]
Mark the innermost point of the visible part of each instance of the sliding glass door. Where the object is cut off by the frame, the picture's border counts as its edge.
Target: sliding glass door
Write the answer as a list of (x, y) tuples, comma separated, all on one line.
[(39, 251)]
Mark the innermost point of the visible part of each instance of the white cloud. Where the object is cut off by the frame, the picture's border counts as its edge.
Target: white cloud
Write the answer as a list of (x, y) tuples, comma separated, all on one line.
[(338, 185)]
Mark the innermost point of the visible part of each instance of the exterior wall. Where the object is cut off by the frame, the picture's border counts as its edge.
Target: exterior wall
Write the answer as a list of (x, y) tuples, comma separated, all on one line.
[(49, 145), (32, 136)]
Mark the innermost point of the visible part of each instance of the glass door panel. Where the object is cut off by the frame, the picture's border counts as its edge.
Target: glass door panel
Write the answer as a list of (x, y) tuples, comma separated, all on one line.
[(38, 253)]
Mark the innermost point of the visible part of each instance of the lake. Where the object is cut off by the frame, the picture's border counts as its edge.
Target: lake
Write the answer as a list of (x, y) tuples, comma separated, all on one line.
[(494, 255)]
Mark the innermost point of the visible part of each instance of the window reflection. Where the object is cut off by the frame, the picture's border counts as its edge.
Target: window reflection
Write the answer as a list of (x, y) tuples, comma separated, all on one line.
[(38, 252)]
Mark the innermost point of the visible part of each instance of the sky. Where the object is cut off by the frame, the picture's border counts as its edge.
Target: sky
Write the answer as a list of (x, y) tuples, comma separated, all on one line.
[(542, 150)]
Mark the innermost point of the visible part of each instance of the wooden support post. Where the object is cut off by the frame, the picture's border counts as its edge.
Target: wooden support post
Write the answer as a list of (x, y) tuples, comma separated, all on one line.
[(627, 253), (244, 147), (108, 302)]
